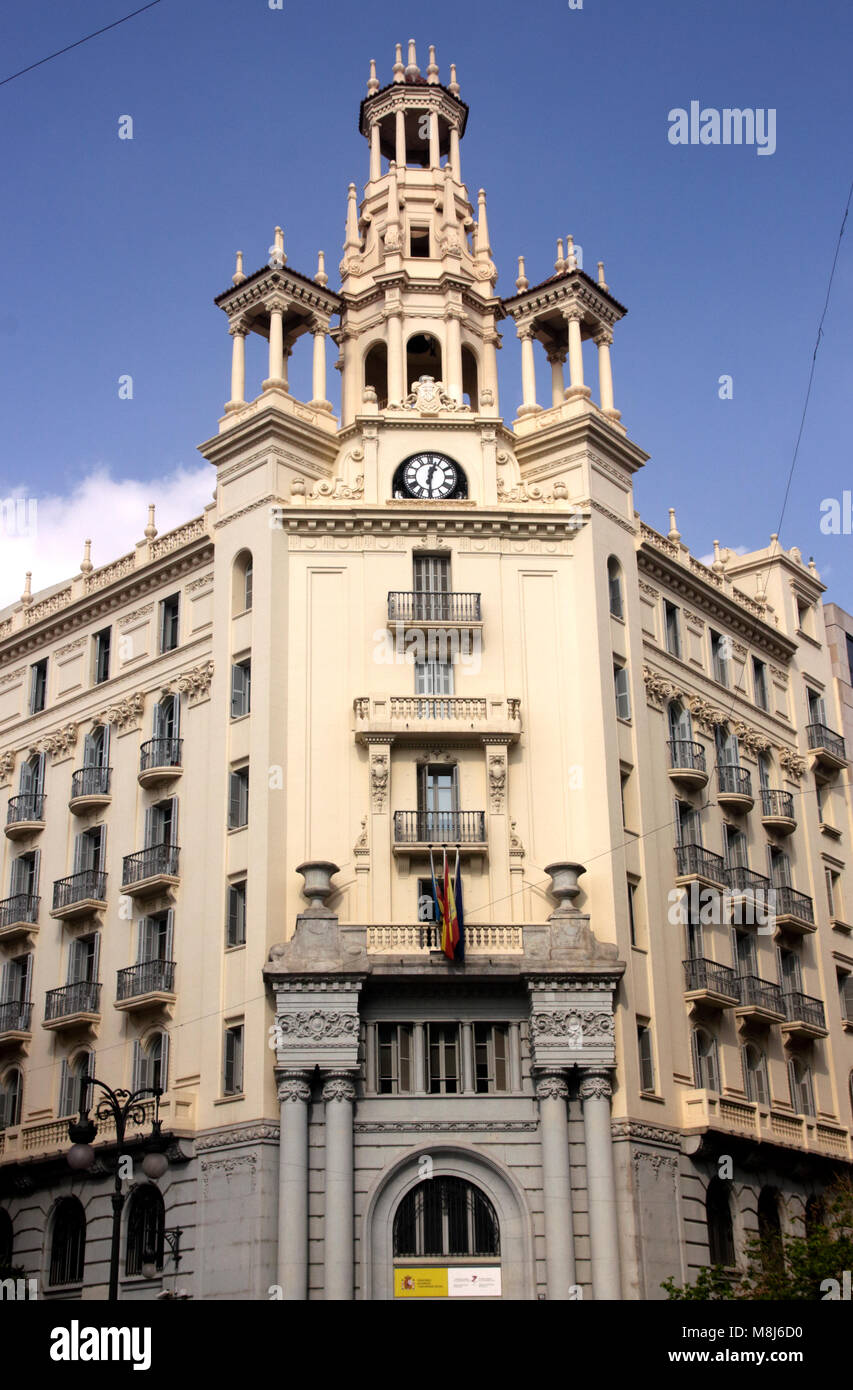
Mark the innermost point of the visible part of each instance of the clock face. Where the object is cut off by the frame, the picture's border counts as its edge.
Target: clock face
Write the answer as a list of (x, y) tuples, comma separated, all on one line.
[(430, 475)]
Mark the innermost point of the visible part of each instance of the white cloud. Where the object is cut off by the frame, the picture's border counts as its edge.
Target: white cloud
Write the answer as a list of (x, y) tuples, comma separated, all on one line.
[(111, 512)]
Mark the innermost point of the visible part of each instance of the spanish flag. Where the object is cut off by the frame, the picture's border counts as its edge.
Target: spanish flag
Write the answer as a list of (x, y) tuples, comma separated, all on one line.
[(449, 916)]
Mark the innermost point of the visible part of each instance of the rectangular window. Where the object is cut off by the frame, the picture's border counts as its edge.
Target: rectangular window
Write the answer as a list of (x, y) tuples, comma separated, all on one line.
[(419, 242), (238, 799), (759, 683), (83, 960), (103, 642), (688, 824), (735, 848), (672, 628), (394, 1058), (38, 686), (820, 800), (817, 708), (720, 658), (169, 609), (647, 1061), (790, 975), (632, 911), (426, 902), (623, 694), (25, 874), (433, 678), (491, 1057), (241, 688), (833, 892), (89, 850), (443, 1059), (232, 1077), (236, 930), (743, 953), (154, 942), (845, 995)]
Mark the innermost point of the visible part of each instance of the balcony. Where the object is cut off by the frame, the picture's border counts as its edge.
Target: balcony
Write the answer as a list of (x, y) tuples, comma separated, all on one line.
[(18, 916), (72, 1006), (453, 718), (417, 831), (777, 811), (704, 1111), (80, 894), (694, 862), (15, 1020), (687, 764), (90, 789), (760, 1000), (147, 985), (734, 788), (25, 815), (751, 890), (826, 746), (420, 938), (794, 911), (160, 760), (415, 609), (706, 982), (804, 1016), (150, 870)]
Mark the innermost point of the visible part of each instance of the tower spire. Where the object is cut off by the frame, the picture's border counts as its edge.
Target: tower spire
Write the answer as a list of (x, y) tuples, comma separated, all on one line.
[(453, 85), (432, 67), (482, 249), (352, 241), (412, 69), (399, 70), (373, 80)]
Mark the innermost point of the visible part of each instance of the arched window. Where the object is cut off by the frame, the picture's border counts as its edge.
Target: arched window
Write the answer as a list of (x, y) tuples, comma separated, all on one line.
[(470, 379), (11, 1099), (5, 1243), (728, 749), (718, 1213), (376, 372), (167, 718), (446, 1217), (706, 1069), (146, 1223), (680, 725), (32, 778), (770, 1228), (73, 1071), (96, 746), (765, 771), (755, 1074), (614, 587), (423, 358), (241, 583), (68, 1242), (151, 1062)]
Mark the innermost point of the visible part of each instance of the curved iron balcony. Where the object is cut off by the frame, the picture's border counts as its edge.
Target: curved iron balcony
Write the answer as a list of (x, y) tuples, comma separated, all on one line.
[(440, 827), (91, 781), (150, 862), (21, 907), (160, 752), (803, 1008), (29, 806), (684, 752), (819, 736), (693, 859), (733, 780), (88, 883), (700, 973), (84, 997), (762, 994), (416, 607), (777, 804), (149, 977), (15, 1016), (790, 903)]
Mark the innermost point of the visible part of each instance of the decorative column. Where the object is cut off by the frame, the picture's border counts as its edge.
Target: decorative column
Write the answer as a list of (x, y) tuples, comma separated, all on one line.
[(294, 1094), (453, 364), (339, 1235), (552, 1093), (380, 833), (455, 162), (318, 399), (603, 341), (528, 373), (595, 1092), (558, 385), (239, 331), (576, 386), (375, 153), (401, 139), (434, 156), (276, 376), (497, 778), (397, 385), (491, 343)]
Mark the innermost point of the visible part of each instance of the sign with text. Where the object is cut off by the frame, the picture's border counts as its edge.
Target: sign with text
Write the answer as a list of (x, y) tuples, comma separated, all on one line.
[(477, 1282)]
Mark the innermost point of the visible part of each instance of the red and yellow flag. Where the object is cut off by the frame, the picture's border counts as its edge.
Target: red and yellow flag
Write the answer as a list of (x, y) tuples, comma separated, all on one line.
[(449, 916)]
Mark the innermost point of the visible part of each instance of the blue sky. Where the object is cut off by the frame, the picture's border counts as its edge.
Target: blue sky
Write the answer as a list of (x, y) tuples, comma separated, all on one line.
[(245, 117)]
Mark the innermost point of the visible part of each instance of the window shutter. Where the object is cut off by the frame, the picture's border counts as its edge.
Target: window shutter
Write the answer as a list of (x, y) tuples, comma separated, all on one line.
[(105, 747), (761, 1091), (89, 758), (63, 1088), (96, 955), (36, 872), (148, 834), (5, 982), (170, 933), (140, 1062), (176, 716), (17, 883), (79, 851), (164, 1061), (748, 1076), (713, 1067), (228, 1079), (234, 800), (27, 979), (157, 726), (847, 997), (233, 915), (793, 1084), (697, 1061), (173, 838)]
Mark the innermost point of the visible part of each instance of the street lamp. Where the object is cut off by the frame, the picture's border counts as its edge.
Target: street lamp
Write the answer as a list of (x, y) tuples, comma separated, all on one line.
[(121, 1106), (172, 1238)]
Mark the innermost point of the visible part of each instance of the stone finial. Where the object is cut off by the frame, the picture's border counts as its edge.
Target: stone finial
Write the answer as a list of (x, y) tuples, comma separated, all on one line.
[(564, 885), (27, 595), (601, 280), (412, 69), (718, 567), (321, 278), (86, 565), (432, 67), (560, 262), (522, 283), (399, 69), (674, 533), (278, 248), (352, 241), (151, 530), (571, 258), (453, 85), (813, 567), (373, 80), (238, 277)]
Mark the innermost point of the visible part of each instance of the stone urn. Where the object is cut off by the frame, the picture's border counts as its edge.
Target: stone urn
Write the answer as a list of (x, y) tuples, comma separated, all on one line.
[(565, 886), (317, 874)]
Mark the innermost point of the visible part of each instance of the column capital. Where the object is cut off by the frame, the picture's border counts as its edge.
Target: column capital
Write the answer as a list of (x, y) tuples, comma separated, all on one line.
[(339, 1085), (603, 337), (557, 355), (294, 1085), (552, 1085), (239, 327), (277, 304), (319, 325), (595, 1084), (524, 331), (572, 312)]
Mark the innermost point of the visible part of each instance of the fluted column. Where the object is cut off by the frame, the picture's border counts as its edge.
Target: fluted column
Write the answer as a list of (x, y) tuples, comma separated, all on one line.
[(552, 1093), (338, 1241), (400, 133), (397, 386), (558, 385), (239, 331), (528, 373), (375, 153), (294, 1094), (453, 364), (318, 399), (595, 1092), (276, 360), (576, 383), (603, 341)]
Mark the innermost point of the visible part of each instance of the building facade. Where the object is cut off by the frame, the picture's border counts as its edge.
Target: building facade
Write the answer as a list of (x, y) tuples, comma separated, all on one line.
[(230, 759)]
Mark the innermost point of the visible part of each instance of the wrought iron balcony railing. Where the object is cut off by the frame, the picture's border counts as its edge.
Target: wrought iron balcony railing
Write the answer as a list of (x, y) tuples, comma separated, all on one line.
[(733, 780), (148, 977), (29, 806), (803, 1008), (777, 803), (764, 994), (791, 903), (683, 752), (160, 752), (693, 859), (88, 883), (743, 880), (700, 973), (148, 863), (15, 1015), (820, 736), (91, 781), (84, 997), (440, 827), (416, 607), (21, 907)]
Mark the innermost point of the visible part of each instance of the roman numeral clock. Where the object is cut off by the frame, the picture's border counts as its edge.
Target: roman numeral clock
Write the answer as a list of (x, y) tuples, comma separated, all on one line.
[(430, 476)]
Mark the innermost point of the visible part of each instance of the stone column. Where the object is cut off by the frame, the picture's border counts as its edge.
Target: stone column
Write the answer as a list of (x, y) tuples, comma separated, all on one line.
[(558, 385), (595, 1094), (552, 1092), (528, 373), (400, 132), (276, 362), (375, 154), (397, 385), (603, 342), (576, 386), (379, 790), (239, 332), (453, 364), (339, 1235), (294, 1093), (318, 399), (434, 156), (455, 162), (490, 370)]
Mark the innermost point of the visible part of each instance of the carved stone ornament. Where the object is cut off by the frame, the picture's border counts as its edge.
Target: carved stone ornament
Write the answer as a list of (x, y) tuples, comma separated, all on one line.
[(595, 1087), (793, 764), (497, 782), (60, 742), (379, 771), (294, 1087), (125, 712), (552, 1088), (590, 1028), (430, 397), (516, 847), (361, 846), (340, 490), (658, 689), (317, 1024), (338, 1086), (196, 682), (648, 589), (7, 766)]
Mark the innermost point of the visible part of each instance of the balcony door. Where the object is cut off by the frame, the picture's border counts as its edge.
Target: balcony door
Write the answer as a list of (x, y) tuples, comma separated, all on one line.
[(780, 868), (167, 717), (161, 823), (790, 976), (743, 953), (817, 708), (96, 748), (735, 846), (688, 825), (432, 585), (83, 960), (155, 938), (25, 874), (438, 801), (89, 850), (32, 776)]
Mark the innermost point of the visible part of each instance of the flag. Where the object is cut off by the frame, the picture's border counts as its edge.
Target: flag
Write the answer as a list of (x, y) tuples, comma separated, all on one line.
[(457, 894), (436, 893), (449, 919)]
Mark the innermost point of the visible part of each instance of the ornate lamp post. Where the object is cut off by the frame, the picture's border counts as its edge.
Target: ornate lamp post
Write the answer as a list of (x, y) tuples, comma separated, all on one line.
[(121, 1106)]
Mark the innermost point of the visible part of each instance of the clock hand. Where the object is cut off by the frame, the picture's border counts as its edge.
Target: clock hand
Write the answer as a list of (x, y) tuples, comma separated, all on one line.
[(435, 469)]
